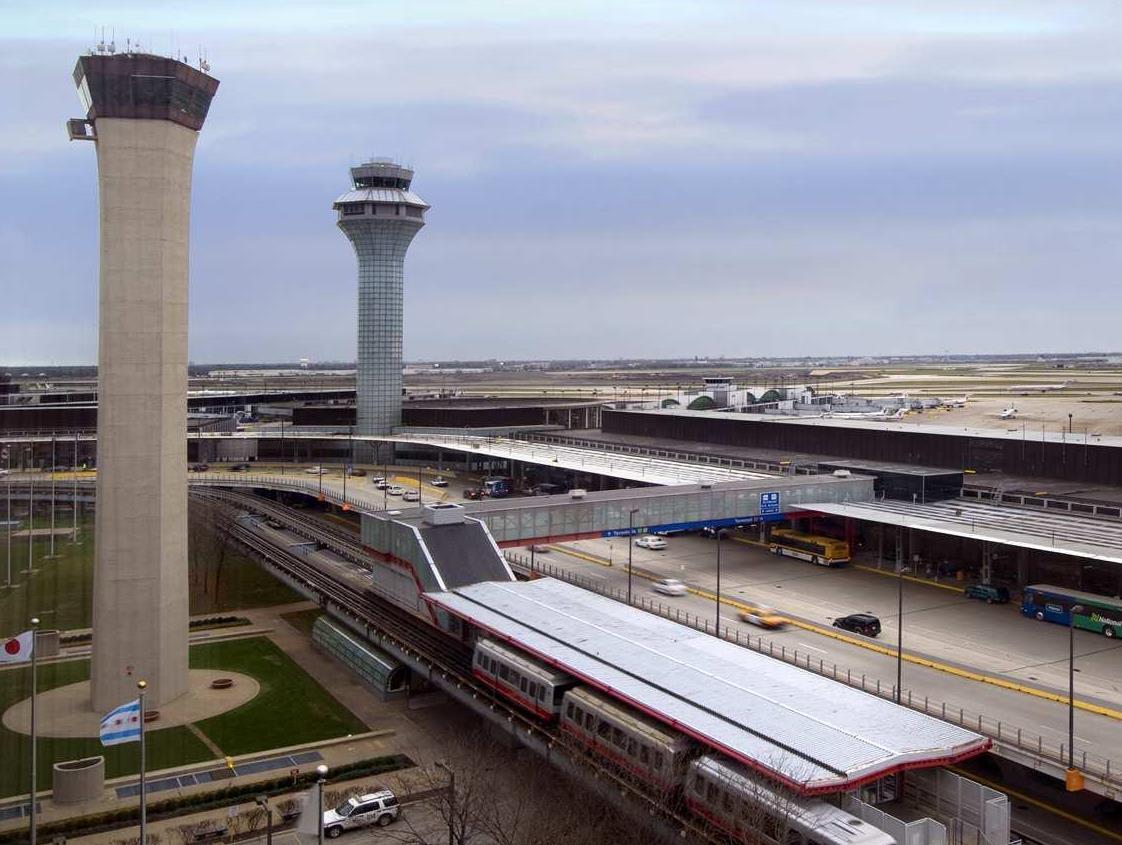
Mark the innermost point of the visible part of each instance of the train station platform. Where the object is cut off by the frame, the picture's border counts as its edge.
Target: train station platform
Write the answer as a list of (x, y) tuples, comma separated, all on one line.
[(809, 732)]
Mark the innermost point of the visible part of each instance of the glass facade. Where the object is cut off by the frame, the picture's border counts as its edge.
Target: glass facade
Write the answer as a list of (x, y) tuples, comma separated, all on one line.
[(375, 669)]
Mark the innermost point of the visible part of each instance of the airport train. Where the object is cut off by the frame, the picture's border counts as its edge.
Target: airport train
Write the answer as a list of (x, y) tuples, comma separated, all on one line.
[(720, 791)]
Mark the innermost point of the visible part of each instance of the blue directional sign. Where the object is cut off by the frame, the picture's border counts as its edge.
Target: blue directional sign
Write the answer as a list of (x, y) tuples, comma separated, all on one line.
[(769, 504)]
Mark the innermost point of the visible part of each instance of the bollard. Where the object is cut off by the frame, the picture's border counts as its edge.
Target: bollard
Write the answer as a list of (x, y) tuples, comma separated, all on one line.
[(925, 704), (1018, 737), (999, 731), (979, 723), (820, 664), (783, 652), (848, 676), (878, 686), (944, 709)]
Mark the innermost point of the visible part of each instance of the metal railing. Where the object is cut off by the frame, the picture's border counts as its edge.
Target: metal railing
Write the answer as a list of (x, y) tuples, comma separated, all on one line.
[(1093, 766)]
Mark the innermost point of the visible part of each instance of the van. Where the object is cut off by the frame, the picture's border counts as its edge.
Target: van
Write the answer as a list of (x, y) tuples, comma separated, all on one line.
[(987, 593), (378, 808)]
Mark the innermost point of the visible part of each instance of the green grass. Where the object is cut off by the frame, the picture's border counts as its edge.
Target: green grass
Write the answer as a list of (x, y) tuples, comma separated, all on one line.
[(60, 592), (290, 709), (168, 747)]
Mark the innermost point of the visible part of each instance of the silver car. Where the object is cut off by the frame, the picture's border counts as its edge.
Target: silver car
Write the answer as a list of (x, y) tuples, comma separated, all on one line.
[(378, 808)]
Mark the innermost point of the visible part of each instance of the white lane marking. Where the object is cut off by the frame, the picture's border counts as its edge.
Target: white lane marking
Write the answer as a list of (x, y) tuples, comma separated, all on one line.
[(811, 647)]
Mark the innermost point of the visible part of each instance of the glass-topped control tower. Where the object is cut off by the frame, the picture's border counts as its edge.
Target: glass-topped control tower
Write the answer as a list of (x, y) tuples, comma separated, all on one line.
[(380, 216)]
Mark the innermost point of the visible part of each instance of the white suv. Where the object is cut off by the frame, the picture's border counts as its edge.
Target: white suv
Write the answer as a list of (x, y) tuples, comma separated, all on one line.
[(378, 808)]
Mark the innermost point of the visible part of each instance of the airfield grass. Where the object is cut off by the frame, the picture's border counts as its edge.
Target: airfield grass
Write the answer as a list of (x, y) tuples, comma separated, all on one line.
[(290, 709)]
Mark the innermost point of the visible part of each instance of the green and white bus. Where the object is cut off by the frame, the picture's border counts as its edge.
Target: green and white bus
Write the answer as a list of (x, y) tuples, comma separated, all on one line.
[(1100, 614)]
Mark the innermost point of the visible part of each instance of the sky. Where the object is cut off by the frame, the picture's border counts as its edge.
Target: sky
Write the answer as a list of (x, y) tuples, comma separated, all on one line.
[(613, 179)]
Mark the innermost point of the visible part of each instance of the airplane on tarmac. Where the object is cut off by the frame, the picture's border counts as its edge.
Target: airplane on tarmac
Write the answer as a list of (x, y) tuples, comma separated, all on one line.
[(1009, 413), (882, 414), (956, 403)]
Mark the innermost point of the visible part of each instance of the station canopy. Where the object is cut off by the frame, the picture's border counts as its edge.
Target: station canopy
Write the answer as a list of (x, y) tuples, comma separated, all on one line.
[(814, 734)]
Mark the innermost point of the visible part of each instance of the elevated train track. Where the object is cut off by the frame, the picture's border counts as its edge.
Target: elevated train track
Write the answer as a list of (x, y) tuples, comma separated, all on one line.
[(439, 658)]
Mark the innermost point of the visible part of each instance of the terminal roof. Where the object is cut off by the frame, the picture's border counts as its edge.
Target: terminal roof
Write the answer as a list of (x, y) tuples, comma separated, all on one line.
[(814, 734)]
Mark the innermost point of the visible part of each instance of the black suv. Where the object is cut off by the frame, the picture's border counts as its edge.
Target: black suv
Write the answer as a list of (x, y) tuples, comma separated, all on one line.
[(859, 623)]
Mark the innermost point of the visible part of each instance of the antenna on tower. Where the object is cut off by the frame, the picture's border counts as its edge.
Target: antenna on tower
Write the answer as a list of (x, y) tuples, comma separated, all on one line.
[(112, 41), (204, 65), (101, 48)]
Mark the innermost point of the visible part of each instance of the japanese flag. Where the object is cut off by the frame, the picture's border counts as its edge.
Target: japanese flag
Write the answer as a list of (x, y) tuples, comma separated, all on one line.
[(17, 649)]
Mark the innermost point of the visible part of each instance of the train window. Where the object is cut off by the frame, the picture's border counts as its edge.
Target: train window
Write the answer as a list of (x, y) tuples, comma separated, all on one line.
[(589, 721), (699, 785), (632, 748), (603, 730), (726, 801), (533, 690), (504, 673), (711, 793), (541, 693), (644, 755), (570, 710), (522, 684), (618, 739), (658, 760)]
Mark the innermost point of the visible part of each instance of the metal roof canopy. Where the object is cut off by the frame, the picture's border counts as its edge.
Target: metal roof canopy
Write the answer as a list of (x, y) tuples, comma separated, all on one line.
[(1060, 533), (813, 734)]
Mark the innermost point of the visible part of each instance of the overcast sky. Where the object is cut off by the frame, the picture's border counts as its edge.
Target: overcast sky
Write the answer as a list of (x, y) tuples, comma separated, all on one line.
[(633, 179)]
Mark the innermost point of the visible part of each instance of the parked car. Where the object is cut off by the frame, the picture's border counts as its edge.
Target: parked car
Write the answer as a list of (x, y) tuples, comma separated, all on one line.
[(764, 617), (239, 468), (539, 548), (859, 623), (200, 467), (439, 481), (378, 808), (473, 493), (317, 470), (356, 472), (669, 587), (382, 484), (395, 490), (377, 479), (4, 472), (411, 496), (650, 541), (987, 593)]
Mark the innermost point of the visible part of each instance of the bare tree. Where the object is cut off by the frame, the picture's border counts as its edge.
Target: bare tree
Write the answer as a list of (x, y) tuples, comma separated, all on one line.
[(209, 544)]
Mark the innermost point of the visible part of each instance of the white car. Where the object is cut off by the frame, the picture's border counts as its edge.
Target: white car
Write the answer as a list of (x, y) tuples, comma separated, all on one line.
[(378, 808), (315, 470), (4, 472), (410, 496), (395, 490), (379, 479), (650, 541), (439, 481), (669, 587)]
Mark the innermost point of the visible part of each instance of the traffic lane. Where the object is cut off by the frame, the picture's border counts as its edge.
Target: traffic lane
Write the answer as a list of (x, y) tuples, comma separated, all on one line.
[(938, 622), (1096, 734)]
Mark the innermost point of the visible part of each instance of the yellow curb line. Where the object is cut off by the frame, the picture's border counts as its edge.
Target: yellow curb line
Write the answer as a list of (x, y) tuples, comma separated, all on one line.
[(1063, 814), (565, 550), (911, 578)]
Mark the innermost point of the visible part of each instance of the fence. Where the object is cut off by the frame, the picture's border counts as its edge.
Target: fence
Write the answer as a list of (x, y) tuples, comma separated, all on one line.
[(1093, 766)]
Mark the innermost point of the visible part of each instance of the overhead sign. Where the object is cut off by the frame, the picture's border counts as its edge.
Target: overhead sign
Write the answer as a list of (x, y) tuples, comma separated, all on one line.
[(769, 504)]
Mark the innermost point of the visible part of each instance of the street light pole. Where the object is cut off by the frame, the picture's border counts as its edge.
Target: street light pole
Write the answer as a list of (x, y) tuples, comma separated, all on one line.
[(899, 629), (262, 801), (717, 627), (630, 543), (321, 772), (1075, 608), (451, 801)]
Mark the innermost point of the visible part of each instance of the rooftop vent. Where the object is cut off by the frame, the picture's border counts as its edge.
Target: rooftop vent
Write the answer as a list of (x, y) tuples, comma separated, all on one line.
[(443, 514)]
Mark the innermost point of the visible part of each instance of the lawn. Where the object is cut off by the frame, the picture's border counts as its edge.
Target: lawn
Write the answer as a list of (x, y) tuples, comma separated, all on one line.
[(168, 747), (61, 590), (291, 709)]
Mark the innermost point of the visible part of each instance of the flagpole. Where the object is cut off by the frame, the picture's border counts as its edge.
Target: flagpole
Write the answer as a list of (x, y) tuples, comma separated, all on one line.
[(34, 680), (142, 686)]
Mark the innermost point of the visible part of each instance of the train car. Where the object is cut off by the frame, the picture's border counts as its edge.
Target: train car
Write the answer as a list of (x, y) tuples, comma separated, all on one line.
[(738, 802), (528, 682), (641, 746)]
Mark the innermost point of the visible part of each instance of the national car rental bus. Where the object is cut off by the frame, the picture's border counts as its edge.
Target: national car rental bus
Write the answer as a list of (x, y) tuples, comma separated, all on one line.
[(1100, 614)]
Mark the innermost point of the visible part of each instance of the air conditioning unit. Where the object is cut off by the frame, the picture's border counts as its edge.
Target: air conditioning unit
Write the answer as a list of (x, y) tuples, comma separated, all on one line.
[(443, 514)]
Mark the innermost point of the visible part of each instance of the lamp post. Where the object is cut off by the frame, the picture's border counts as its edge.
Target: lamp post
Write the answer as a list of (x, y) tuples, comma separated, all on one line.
[(262, 801), (142, 688), (321, 776), (1074, 609), (32, 811), (630, 544), (899, 629), (451, 801)]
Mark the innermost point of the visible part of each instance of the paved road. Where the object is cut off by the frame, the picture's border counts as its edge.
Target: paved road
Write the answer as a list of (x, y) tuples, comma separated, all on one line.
[(996, 640)]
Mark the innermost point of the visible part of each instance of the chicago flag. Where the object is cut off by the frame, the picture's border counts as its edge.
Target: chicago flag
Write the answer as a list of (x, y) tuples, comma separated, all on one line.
[(121, 725)]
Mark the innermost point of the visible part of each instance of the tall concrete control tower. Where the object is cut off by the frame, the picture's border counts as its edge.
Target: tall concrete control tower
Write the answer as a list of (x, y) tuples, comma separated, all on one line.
[(144, 114), (380, 216)]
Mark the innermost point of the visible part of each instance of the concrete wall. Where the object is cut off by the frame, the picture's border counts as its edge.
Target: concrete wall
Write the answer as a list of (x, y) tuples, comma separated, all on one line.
[(140, 583)]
